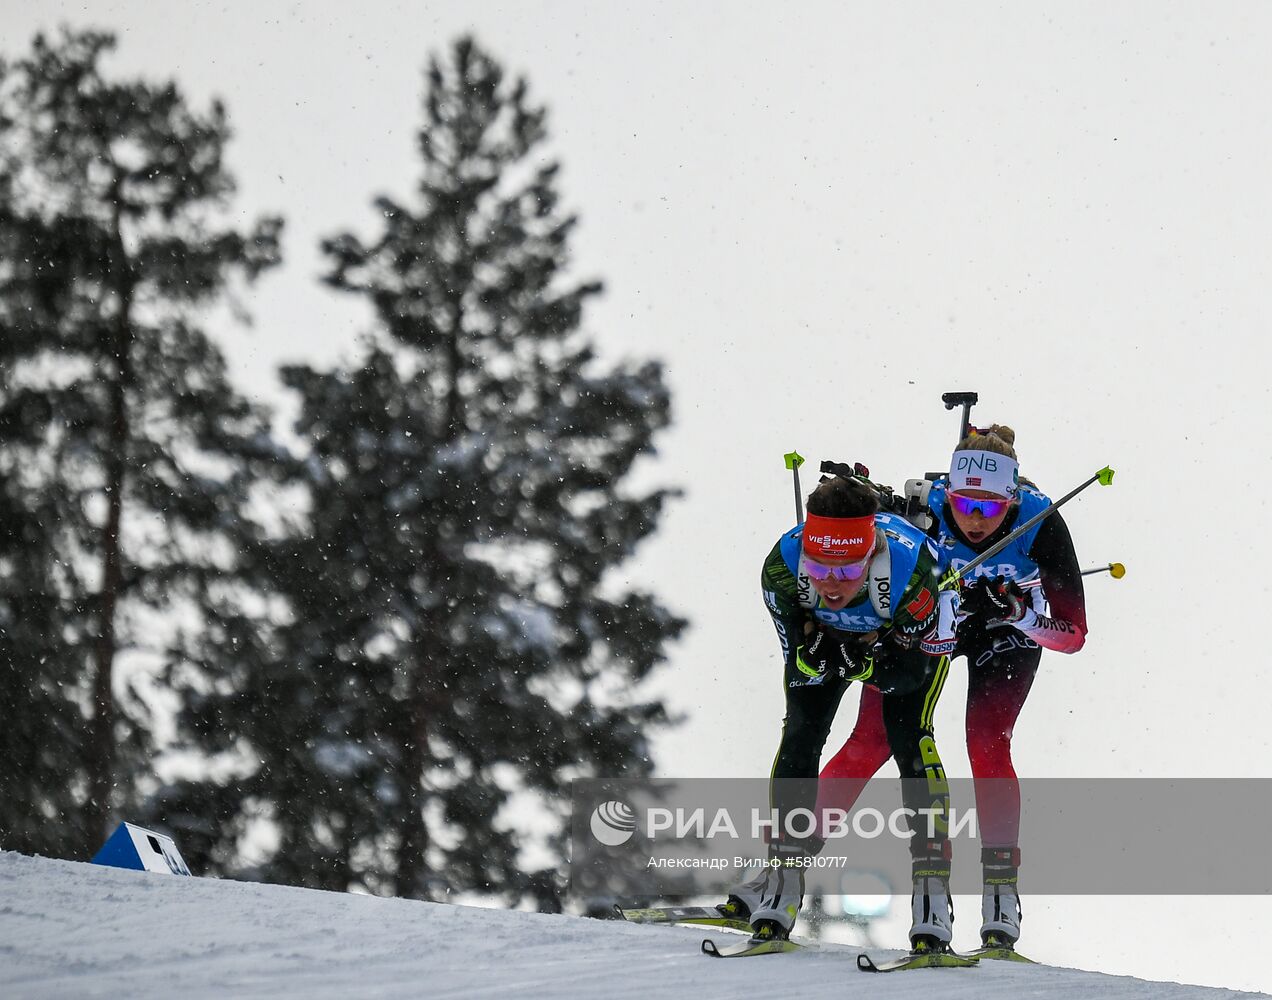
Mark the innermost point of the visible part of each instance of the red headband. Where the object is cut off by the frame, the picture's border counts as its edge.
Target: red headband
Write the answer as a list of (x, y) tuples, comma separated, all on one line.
[(838, 537)]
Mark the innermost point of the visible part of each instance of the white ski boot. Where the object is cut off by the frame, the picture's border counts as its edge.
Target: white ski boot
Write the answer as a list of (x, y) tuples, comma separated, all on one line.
[(779, 903), (771, 899), (932, 913), (930, 904), (1000, 900)]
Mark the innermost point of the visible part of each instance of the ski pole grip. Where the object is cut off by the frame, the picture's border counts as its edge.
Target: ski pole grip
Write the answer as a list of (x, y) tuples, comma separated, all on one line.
[(793, 461)]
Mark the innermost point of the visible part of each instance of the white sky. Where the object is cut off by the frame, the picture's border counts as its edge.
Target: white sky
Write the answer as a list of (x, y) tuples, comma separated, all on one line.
[(821, 219)]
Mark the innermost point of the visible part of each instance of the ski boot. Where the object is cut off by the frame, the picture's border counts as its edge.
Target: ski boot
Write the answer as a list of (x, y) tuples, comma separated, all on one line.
[(783, 890), (773, 894), (932, 909), (771, 901), (1000, 902)]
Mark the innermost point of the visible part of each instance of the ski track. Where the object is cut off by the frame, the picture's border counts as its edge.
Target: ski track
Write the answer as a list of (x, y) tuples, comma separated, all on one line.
[(77, 930)]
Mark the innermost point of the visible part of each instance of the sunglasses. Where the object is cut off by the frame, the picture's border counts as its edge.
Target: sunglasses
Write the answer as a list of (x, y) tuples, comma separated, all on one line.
[(820, 571), (969, 505)]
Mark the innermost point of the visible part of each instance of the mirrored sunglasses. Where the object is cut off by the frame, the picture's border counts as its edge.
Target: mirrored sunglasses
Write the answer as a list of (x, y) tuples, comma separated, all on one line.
[(969, 505), (820, 571)]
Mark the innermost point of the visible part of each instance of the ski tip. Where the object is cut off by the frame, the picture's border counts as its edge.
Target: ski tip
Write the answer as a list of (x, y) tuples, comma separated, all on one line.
[(709, 948), (864, 963), (618, 911)]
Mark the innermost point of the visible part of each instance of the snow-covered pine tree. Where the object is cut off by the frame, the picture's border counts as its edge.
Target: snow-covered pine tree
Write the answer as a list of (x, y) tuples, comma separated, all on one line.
[(124, 452), (454, 631)]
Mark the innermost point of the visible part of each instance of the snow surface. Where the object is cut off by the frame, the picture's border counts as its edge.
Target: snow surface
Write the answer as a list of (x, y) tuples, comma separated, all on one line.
[(76, 930)]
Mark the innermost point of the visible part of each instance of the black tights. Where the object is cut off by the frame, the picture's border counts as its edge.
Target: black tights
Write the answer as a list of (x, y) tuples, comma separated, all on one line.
[(910, 688)]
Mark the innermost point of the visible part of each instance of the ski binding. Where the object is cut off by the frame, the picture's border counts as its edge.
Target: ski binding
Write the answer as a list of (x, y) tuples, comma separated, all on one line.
[(751, 946), (924, 958)]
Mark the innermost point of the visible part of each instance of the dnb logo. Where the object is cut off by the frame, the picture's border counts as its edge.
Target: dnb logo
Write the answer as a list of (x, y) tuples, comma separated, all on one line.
[(613, 823)]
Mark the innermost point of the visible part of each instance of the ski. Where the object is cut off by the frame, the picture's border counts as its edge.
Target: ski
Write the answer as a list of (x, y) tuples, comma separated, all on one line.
[(752, 946), (707, 916), (1000, 953), (918, 960)]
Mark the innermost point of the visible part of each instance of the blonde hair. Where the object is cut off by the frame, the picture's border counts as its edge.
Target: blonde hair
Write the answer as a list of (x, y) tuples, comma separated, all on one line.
[(998, 439)]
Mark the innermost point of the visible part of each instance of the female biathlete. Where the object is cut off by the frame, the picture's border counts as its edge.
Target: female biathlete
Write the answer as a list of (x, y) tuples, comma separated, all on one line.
[(831, 586), (980, 502)]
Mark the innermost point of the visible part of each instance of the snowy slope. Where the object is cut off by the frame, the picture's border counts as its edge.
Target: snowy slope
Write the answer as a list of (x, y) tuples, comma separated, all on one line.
[(76, 930)]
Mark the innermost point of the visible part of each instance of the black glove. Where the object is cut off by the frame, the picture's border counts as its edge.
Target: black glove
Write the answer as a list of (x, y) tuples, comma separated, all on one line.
[(995, 599), (823, 654)]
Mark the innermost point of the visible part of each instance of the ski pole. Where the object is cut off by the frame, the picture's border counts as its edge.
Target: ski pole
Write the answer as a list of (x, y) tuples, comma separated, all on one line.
[(793, 461), (1115, 570), (966, 400), (1104, 477)]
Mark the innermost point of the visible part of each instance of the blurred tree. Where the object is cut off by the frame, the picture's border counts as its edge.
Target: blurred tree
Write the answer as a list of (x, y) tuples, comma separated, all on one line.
[(452, 638), (125, 456)]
